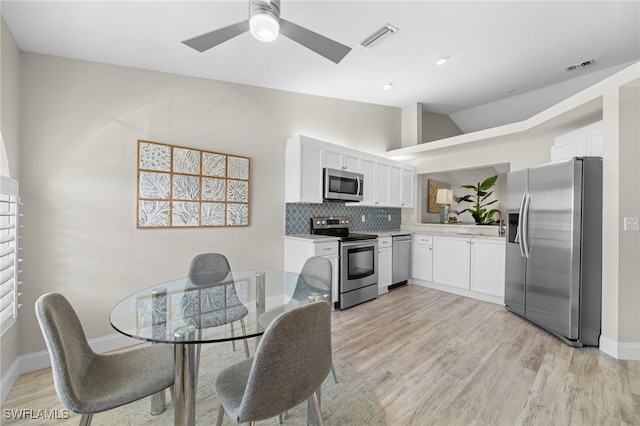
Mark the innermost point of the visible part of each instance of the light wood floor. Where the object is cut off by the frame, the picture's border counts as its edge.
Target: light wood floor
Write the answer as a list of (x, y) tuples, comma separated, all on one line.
[(434, 358)]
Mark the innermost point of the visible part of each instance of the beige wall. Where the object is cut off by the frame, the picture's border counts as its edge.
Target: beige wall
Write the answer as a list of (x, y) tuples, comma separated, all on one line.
[(9, 102), (9, 151), (438, 126), (629, 260), (82, 121)]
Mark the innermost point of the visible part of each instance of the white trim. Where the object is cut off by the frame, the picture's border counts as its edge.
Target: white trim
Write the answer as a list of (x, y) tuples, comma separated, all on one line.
[(8, 380), (620, 350)]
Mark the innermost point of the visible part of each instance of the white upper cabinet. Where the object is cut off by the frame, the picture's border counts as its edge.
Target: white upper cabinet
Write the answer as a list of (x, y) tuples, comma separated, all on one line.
[(395, 186), (335, 159), (583, 142), (382, 184), (368, 170), (406, 193), (303, 171), (386, 183)]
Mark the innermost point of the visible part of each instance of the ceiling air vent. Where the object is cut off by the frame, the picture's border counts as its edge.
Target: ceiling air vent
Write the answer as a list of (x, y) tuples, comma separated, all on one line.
[(582, 65)]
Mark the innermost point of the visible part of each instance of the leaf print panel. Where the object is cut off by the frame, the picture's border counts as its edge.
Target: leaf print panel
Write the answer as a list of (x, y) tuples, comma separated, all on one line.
[(237, 191), (214, 164), (238, 168), (186, 187), (190, 308), (213, 214), (237, 214), (213, 189), (153, 213), (186, 161), (154, 185), (144, 312), (154, 156), (185, 214)]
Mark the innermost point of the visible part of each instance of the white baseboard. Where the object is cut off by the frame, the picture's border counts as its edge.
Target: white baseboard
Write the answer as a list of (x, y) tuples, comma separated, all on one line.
[(620, 350), (39, 360), (498, 300), (9, 379)]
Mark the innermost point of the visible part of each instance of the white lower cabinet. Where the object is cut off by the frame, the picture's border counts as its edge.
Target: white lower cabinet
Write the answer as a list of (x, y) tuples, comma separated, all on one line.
[(422, 254), (451, 257), (298, 250), (472, 267), (385, 263), (487, 266)]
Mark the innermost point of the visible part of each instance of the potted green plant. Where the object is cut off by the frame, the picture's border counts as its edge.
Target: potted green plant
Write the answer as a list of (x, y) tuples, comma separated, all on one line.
[(482, 192)]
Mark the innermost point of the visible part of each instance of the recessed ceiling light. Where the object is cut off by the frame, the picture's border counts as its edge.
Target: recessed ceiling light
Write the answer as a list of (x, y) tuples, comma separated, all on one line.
[(442, 60), (387, 86)]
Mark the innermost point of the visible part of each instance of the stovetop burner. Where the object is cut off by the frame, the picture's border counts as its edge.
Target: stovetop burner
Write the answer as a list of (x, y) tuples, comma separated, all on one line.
[(337, 226)]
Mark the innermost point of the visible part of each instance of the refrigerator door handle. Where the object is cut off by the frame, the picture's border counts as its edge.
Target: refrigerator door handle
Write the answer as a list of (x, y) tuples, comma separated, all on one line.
[(525, 226), (518, 238)]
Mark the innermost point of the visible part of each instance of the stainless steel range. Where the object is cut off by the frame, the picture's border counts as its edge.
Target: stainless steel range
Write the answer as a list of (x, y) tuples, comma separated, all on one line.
[(358, 260)]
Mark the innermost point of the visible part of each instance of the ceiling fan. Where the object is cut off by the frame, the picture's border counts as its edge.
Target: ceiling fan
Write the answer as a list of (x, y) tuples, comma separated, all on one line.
[(265, 24)]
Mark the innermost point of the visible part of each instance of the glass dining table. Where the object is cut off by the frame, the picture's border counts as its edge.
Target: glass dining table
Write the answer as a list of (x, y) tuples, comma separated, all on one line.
[(190, 311)]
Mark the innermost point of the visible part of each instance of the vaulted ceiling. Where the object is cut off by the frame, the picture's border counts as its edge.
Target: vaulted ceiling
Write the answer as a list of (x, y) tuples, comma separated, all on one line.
[(508, 60)]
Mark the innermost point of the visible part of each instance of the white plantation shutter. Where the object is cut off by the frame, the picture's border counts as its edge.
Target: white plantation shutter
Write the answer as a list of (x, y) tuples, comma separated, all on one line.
[(9, 259)]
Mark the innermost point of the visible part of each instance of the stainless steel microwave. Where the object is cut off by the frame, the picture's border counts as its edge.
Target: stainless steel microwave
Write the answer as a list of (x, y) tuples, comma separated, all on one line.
[(341, 185)]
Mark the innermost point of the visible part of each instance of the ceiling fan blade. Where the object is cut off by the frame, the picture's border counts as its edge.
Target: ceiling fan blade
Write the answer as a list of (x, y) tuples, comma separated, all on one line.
[(320, 44), (207, 41)]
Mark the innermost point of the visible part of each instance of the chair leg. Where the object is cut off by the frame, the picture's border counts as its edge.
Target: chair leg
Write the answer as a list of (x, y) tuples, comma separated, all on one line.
[(220, 415), (244, 333), (85, 420), (233, 342), (316, 405), (283, 416), (197, 364), (333, 371)]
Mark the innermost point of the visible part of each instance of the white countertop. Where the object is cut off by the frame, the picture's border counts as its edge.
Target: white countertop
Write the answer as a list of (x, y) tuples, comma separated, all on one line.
[(433, 229), (455, 230)]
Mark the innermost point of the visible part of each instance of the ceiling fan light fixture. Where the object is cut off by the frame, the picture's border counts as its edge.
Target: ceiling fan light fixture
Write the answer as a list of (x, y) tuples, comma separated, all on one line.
[(264, 19), (264, 27)]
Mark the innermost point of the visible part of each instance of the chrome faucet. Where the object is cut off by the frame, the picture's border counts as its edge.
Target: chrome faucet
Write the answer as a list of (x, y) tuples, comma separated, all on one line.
[(501, 230)]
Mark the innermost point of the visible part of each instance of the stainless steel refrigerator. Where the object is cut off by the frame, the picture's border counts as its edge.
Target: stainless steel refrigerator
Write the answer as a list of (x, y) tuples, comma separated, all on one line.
[(554, 248)]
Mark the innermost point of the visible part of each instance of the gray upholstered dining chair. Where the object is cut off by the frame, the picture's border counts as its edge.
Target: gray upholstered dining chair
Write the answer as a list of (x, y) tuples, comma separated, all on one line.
[(88, 383), (215, 301), (291, 361), (316, 277)]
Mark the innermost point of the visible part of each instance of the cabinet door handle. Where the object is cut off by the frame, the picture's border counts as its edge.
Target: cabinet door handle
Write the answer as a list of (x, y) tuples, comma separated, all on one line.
[(327, 248)]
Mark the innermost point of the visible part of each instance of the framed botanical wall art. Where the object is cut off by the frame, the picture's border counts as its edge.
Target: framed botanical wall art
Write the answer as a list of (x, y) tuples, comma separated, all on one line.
[(186, 187), (432, 193)]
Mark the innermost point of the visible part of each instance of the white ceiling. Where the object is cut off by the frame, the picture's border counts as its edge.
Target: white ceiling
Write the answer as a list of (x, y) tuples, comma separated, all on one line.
[(499, 50)]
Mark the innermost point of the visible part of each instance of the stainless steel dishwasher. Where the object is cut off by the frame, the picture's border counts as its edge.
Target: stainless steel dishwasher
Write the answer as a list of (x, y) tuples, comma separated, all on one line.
[(401, 250)]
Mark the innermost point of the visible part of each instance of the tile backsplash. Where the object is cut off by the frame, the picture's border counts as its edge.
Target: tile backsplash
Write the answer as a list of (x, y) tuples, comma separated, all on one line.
[(376, 218)]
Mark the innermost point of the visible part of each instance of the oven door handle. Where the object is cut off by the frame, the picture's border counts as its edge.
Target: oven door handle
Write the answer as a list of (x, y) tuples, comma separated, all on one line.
[(361, 243)]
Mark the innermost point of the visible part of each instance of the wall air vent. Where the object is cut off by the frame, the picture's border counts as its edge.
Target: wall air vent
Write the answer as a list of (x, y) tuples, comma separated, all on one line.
[(582, 65)]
